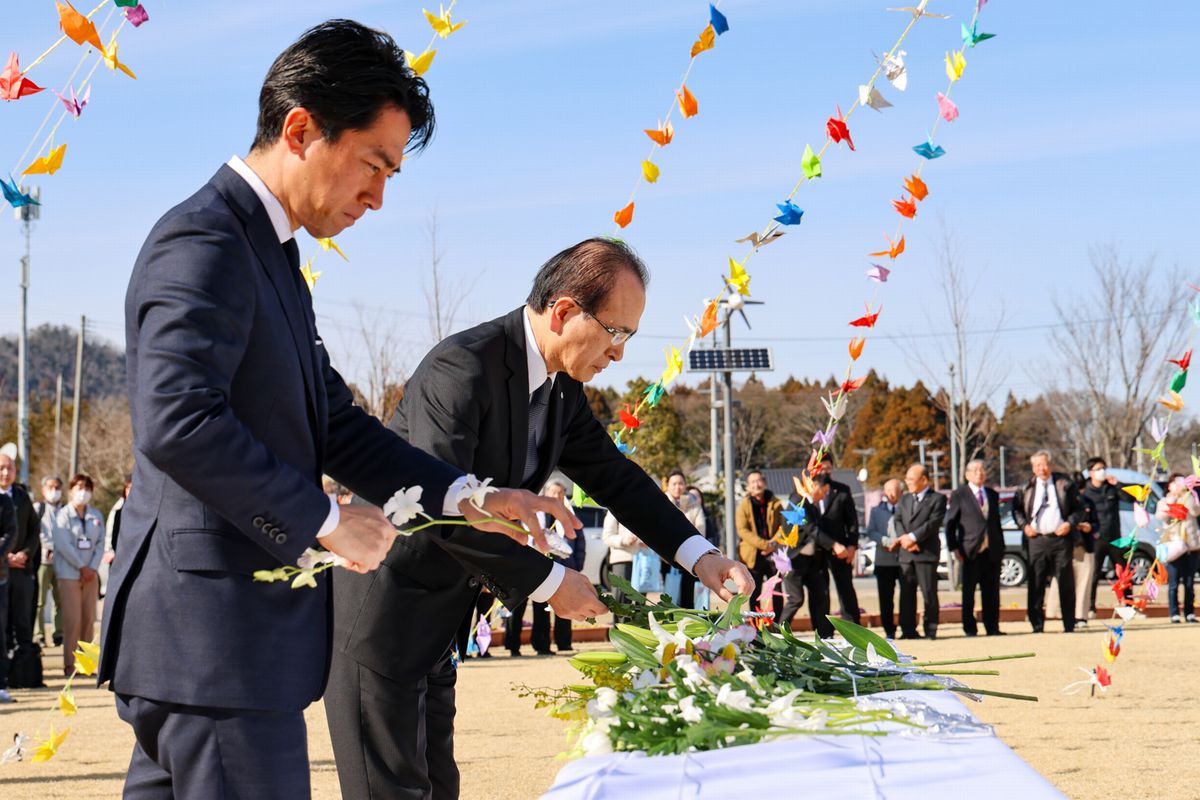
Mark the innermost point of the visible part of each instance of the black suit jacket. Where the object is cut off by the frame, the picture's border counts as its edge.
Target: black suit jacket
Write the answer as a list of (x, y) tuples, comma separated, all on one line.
[(236, 413), (27, 539), (468, 402), (967, 528), (923, 520), (815, 531), (8, 532)]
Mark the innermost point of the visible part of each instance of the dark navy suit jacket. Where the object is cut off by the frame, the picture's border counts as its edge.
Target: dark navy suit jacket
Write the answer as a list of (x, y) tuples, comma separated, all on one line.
[(236, 414)]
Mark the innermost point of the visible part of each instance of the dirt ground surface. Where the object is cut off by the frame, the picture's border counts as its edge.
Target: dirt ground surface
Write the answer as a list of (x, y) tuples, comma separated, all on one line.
[(1115, 745)]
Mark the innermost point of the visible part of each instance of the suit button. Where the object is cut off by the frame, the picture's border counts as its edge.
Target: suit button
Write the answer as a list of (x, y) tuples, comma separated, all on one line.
[(280, 538), (268, 530), (258, 522), (472, 583)]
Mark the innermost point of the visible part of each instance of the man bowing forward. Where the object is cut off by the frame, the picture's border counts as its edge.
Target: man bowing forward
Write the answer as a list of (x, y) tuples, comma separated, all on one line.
[(236, 414)]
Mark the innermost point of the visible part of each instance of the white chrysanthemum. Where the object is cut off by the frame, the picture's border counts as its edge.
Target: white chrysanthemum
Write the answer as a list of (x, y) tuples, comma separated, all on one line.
[(688, 710), (737, 699)]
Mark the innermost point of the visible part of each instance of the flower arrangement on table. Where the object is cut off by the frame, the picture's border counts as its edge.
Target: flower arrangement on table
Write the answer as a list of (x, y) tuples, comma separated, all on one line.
[(682, 680)]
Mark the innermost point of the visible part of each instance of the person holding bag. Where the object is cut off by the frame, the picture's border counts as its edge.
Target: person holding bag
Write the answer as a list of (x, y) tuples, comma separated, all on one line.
[(1179, 544)]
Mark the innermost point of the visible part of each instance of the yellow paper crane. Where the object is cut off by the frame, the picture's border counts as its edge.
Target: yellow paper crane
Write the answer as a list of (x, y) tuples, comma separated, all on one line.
[(328, 244), (955, 64), (650, 171), (739, 279), (47, 164), (310, 277), (420, 64), (441, 23), (674, 366), (110, 58), (49, 746)]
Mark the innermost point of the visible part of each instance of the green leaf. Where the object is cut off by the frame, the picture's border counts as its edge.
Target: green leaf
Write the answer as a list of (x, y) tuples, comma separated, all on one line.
[(626, 588), (640, 634), (860, 637)]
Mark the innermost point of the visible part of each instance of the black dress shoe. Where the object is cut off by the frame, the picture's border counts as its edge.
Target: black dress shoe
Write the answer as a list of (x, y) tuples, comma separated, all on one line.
[(911, 636), (971, 633), (1037, 628), (484, 655), (890, 634), (996, 633), (544, 652), (515, 653)]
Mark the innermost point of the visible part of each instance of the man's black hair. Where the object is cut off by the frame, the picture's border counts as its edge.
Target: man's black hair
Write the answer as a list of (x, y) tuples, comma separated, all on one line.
[(344, 74)]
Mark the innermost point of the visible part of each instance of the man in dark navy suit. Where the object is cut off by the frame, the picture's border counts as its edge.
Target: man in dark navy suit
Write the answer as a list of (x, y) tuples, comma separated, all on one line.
[(236, 415)]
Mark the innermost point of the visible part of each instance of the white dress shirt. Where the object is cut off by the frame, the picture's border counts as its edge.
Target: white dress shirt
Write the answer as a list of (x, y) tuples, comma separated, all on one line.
[(1052, 517), (688, 553), (285, 232)]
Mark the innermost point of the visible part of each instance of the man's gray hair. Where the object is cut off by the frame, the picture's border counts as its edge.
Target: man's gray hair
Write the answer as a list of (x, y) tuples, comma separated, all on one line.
[(1042, 454), (47, 478)]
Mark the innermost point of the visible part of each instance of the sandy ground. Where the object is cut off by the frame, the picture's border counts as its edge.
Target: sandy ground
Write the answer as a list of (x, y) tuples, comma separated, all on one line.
[(1138, 741)]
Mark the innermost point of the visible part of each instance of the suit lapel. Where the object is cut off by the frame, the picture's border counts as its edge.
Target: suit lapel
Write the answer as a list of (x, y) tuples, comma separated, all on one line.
[(518, 394), (296, 307)]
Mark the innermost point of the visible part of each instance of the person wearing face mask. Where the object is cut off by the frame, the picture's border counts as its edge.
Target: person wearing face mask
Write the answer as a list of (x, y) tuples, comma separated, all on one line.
[(1101, 493), (47, 582), (78, 551)]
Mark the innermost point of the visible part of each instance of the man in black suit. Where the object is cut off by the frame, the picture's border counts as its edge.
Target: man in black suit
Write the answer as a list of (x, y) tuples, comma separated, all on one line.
[(918, 519), (236, 413), (974, 536), (887, 561), (839, 518), (22, 559), (1047, 510), (506, 400), (810, 557)]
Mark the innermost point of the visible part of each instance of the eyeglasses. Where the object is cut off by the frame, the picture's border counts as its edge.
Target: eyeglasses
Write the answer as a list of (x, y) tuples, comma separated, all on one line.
[(619, 337)]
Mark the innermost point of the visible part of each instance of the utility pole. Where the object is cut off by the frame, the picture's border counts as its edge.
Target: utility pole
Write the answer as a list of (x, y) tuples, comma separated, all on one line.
[(954, 442), (727, 412), (1003, 480), (865, 452), (936, 455), (57, 421), (921, 444), (714, 426), (74, 470), (26, 214)]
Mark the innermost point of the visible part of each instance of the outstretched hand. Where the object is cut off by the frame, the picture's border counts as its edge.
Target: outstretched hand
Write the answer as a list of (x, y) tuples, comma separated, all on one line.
[(713, 570), (519, 506)]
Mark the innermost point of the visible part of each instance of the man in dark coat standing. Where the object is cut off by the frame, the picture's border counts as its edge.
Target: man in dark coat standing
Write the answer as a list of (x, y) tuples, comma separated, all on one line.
[(974, 536), (1047, 510), (918, 520)]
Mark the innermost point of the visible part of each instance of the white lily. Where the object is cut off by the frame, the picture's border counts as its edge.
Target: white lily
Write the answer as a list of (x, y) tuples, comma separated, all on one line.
[(645, 679), (404, 506), (602, 703), (781, 704), (795, 719), (596, 743), (688, 710), (737, 699), (694, 676), (676, 642)]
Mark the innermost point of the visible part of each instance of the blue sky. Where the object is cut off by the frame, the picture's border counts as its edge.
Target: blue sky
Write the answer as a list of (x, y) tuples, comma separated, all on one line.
[(1077, 128)]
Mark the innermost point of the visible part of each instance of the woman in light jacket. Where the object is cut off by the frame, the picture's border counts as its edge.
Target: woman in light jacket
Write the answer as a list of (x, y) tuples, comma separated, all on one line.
[(78, 551), (623, 545), (1181, 570)]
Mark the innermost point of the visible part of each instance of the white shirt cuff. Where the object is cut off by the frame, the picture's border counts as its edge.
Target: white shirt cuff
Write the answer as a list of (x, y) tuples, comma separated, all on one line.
[(449, 507), (690, 551), (548, 587), (331, 522)]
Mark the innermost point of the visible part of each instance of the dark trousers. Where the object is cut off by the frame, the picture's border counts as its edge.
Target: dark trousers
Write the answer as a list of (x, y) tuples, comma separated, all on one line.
[(3, 633), (982, 571), (809, 577), (195, 753), (1050, 557), (842, 573), (918, 575), (392, 740), (886, 578), (539, 637), (763, 569), (22, 596), (1181, 571)]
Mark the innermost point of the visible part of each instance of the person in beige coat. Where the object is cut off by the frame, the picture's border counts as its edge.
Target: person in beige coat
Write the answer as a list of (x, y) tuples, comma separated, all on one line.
[(759, 519)]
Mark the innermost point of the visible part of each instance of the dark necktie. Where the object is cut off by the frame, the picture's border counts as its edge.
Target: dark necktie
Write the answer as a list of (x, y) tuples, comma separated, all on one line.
[(293, 253), (982, 501), (1045, 504), (538, 402)]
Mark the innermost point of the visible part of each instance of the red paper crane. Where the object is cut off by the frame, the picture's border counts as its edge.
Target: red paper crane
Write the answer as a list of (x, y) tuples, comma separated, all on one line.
[(853, 385), (628, 419), (906, 207), (837, 130), (1184, 362), (867, 321)]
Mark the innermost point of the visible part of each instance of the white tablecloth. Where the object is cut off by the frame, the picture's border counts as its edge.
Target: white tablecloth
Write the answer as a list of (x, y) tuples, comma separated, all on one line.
[(892, 767)]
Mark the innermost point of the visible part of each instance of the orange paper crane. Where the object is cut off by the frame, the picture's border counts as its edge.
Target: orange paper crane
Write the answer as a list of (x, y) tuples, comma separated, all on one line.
[(687, 102), (708, 321), (624, 216), (708, 38), (906, 207), (856, 347), (662, 135), (76, 26), (894, 250), (916, 187)]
